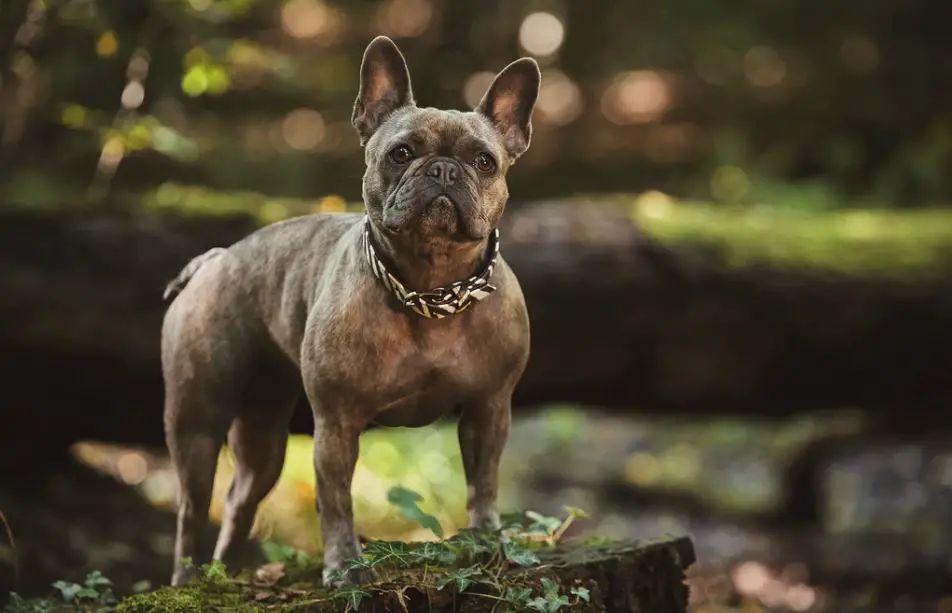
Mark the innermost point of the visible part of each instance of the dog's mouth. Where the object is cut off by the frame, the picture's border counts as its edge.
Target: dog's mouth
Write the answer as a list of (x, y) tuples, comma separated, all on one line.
[(440, 216)]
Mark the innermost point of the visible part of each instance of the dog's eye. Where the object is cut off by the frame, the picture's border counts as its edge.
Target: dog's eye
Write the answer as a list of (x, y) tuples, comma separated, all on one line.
[(484, 163), (401, 154)]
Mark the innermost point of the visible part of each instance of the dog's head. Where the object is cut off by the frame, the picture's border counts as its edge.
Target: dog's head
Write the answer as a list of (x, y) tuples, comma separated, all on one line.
[(439, 172)]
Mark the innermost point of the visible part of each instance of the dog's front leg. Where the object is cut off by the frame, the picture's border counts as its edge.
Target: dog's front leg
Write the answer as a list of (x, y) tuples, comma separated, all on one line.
[(335, 458), (483, 432)]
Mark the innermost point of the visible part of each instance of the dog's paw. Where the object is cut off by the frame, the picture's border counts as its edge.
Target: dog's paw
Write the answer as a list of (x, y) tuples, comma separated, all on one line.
[(336, 578)]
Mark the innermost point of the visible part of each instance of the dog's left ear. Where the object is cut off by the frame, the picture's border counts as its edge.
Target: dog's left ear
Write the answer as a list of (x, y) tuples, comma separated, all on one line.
[(509, 101), (384, 86)]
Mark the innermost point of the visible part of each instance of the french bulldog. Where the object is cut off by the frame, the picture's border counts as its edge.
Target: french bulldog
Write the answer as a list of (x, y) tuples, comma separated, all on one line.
[(395, 316)]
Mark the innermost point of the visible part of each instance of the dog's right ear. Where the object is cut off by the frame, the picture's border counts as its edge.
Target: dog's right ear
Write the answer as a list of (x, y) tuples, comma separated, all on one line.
[(384, 86)]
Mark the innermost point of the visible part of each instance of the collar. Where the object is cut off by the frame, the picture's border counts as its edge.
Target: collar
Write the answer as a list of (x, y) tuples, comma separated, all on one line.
[(442, 301)]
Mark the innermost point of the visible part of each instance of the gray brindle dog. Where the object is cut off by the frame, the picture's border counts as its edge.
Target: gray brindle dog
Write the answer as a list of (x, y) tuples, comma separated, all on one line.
[(395, 317)]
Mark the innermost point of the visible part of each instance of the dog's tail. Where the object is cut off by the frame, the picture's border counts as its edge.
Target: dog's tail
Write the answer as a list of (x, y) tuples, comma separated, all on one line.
[(178, 283)]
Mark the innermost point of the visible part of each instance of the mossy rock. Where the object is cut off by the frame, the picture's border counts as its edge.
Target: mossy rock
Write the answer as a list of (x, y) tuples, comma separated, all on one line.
[(583, 576)]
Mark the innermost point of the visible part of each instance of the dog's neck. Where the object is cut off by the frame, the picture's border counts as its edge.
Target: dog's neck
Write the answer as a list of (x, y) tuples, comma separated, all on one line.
[(427, 262)]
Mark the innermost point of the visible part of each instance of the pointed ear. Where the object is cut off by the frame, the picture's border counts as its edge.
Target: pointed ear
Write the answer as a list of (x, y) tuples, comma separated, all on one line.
[(384, 86), (509, 101)]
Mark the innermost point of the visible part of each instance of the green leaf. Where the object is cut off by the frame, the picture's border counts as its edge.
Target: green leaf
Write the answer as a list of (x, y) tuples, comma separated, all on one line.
[(474, 542), (403, 497), (463, 577), (278, 552), (435, 553), (543, 524), (549, 587), (88, 593), (67, 590), (540, 604), (519, 596), (352, 596), (407, 501), (581, 593), (512, 520), (394, 553), (96, 579), (107, 597), (576, 513), (18, 604), (517, 554)]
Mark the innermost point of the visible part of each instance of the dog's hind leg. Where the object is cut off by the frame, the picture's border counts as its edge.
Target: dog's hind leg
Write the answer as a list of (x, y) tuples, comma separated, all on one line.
[(258, 440), (194, 449)]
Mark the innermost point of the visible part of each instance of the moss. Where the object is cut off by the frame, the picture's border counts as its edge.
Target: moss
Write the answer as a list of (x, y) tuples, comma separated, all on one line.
[(640, 575), (235, 598)]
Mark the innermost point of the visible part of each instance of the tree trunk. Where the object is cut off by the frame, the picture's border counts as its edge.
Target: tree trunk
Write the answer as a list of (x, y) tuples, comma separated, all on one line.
[(623, 578)]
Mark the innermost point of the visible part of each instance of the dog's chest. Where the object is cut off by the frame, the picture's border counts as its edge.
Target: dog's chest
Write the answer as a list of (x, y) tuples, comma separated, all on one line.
[(422, 381)]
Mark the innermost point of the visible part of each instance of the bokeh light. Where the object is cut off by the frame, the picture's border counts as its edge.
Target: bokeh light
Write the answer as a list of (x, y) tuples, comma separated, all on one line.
[(639, 96), (541, 34), (112, 153), (729, 184), (133, 95), (405, 18), (303, 129), (560, 99), (859, 54), (476, 85), (312, 19), (764, 67)]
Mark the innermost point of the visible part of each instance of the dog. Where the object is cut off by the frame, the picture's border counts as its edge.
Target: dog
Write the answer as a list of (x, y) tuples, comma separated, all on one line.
[(395, 317)]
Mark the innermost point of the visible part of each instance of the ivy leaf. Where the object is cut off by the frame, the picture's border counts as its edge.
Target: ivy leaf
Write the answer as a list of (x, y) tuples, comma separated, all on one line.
[(581, 593), (359, 563), (387, 552), (67, 590), (87, 592), (549, 587), (407, 501), (95, 579), (463, 577), (107, 597), (337, 575), (510, 521), (543, 523), (18, 604), (547, 604), (352, 596), (435, 553), (474, 542), (518, 554), (519, 596)]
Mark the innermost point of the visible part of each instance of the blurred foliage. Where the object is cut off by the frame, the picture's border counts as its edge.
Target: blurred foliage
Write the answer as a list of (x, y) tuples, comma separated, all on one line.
[(870, 241), (409, 483), (801, 104)]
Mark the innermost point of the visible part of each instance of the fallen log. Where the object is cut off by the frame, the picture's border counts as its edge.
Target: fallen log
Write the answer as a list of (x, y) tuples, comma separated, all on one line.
[(621, 319)]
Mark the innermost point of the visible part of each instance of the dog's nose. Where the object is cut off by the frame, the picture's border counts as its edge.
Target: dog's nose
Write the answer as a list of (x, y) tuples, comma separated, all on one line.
[(445, 171)]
